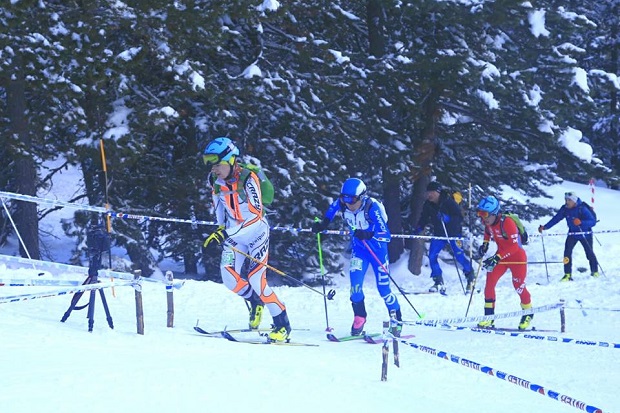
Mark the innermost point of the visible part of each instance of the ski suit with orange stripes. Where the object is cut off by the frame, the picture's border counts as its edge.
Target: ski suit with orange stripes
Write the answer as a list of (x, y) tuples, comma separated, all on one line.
[(238, 206), (512, 257)]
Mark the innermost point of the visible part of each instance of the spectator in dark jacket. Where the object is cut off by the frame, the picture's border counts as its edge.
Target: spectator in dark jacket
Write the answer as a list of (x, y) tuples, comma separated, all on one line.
[(579, 219), (442, 212)]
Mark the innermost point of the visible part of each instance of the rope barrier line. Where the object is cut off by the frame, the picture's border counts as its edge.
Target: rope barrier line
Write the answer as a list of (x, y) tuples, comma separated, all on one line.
[(145, 218), (83, 270), (592, 308), (490, 371), (65, 291), (448, 321)]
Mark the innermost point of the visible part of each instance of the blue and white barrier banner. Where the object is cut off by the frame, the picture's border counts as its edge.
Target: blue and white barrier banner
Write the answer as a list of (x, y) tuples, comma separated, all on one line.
[(103, 272), (145, 218), (37, 282), (538, 336), (58, 292), (490, 371), (445, 323)]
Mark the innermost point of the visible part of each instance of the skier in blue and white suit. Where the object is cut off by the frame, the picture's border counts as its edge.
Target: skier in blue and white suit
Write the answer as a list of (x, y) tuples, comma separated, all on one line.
[(370, 235)]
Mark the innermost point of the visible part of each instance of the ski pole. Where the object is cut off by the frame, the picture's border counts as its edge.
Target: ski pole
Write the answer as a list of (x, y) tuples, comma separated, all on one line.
[(388, 274), (542, 239), (330, 295), (445, 231), (473, 287), (471, 239), (589, 244), (318, 241)]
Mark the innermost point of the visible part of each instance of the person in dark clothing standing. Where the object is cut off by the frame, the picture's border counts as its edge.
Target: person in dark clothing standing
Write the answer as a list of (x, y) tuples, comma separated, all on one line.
[(579, 219), (442, 212)]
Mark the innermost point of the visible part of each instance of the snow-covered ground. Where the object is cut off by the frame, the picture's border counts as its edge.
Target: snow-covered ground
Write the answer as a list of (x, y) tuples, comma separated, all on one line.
[(52, 366)]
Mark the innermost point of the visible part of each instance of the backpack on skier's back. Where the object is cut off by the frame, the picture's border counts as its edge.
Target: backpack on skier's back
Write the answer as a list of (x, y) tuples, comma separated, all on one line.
[(522, 232), (591, 208), (266, 187)]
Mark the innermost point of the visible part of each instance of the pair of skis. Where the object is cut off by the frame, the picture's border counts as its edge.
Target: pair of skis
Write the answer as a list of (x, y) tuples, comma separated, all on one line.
[(230, 335), (372, 338)]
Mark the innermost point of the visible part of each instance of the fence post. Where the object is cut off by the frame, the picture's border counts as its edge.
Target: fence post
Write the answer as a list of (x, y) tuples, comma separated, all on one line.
[(139, 308), (170, 298), (385, 351)]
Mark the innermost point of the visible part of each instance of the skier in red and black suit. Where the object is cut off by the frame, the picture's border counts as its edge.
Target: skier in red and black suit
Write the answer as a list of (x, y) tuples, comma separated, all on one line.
[(510, 255)]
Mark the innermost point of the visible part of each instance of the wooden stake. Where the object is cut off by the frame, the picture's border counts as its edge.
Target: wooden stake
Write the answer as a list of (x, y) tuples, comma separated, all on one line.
[(170, 297), (139, 307), (385, 350)]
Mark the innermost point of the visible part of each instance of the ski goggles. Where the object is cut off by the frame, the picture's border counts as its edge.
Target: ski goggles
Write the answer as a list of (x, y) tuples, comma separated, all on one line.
[(211, 158), (348, 199), (570, 196), (483, 214)]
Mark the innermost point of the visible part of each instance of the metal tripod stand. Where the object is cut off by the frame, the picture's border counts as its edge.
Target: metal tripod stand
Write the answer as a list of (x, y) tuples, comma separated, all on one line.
[(97, 241)]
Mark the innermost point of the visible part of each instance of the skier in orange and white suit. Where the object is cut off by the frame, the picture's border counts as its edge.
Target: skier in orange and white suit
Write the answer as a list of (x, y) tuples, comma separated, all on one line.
[(239, 214)]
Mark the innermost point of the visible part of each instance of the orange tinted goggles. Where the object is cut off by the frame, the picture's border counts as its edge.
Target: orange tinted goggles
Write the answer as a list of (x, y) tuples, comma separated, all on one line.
[(483, 214)]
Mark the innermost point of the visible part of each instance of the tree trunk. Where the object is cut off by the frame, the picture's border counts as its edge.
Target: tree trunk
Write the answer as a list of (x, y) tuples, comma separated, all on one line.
[(424, 156), (391, 182), (391, 201), (26, 216), (417, 245)]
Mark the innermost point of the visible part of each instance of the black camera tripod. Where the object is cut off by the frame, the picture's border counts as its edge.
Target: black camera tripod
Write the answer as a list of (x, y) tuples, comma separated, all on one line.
[(97, 241)]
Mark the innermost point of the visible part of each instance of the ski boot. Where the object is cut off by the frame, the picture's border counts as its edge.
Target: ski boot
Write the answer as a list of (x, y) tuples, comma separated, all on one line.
[(256, 311), (438, 286), (359, 318), (281, 328)]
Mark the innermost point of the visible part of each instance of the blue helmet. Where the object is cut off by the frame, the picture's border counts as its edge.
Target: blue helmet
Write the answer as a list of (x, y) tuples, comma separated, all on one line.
[(352, 190), (220, 150), (489, 204)]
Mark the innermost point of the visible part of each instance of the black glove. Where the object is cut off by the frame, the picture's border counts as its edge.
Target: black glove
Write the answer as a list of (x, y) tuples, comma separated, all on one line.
[(483, 249), (363, 234), (218, 236), (491, 262), (320, 226)]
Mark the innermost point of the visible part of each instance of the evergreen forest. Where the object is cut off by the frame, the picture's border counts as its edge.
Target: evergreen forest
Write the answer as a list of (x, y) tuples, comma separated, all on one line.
[(480, 95)]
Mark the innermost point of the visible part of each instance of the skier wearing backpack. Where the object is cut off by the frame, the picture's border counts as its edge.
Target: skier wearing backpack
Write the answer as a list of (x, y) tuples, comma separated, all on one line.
[(579, 218), (370, 235), (442, 212), (510, 255), (239, 213)]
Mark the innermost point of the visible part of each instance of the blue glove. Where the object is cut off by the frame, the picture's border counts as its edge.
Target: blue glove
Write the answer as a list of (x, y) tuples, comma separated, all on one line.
[(363, 234), (218, 236), (445, 218), (491, 262)]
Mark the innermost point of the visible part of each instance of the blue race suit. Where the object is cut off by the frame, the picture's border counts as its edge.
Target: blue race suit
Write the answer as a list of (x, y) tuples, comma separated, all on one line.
[(369, 216), (582, 212)]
